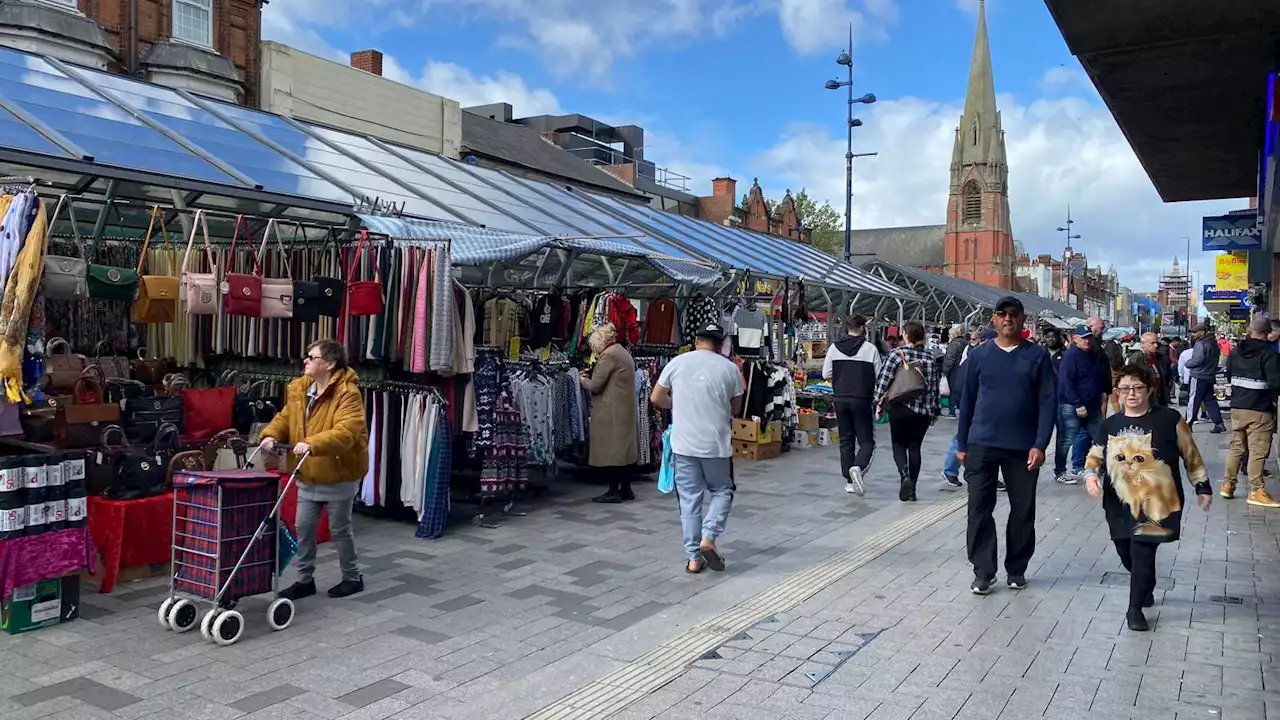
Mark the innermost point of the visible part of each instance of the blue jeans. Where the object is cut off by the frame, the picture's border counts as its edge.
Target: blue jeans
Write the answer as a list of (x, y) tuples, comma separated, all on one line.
[(694, 477), (950, 464), (1074, 435)]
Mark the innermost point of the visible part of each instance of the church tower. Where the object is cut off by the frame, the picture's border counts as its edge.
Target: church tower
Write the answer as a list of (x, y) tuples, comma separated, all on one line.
[(979, 235)]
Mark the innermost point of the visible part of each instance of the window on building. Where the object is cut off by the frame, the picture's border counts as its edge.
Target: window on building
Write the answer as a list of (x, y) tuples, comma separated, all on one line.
[(975, 134), (193, 21), (972, 203)]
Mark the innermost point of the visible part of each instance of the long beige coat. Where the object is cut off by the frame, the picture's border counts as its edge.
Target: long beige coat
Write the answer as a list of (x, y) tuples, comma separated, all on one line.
[(613, 435)]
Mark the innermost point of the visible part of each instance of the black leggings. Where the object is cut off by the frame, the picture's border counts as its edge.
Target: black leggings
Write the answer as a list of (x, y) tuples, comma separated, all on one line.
[(907, 429), (1139, 558)]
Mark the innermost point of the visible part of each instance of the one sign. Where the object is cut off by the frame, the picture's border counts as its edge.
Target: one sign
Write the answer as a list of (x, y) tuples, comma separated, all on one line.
[(1232, 272), (1238, 313), (1231, 232), (1213, 294)]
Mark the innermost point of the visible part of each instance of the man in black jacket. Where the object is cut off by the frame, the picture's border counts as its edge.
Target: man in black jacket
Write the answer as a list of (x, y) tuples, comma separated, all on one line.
[(1203, 367), (1156, 360), (951, 362), (851, 366), (1253, 369)]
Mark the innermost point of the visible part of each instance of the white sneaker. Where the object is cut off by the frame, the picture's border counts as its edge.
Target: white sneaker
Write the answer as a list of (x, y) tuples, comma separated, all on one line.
[(1067, 478), (855, 484)]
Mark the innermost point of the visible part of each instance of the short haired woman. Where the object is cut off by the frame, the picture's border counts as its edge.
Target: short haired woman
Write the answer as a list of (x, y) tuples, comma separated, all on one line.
[(1133, 468), (323, 415), (614, 445), (909, 417)]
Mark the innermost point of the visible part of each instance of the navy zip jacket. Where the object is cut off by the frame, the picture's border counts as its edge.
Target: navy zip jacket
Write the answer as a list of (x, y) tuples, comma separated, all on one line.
[(1078, 382), (1010, 398)]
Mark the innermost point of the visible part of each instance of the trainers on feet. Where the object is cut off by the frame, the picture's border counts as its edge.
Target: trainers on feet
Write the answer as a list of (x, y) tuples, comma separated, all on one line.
[(299, 590), (855, 484), (981, 586), (1066, 479), (952, 480), (1228, 489), (1262, 498), (1017, 582), (1218, 430), (346, 587)]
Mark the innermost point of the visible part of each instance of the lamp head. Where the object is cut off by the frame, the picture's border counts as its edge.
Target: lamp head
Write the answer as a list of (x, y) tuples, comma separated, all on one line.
[(833, 84), (855, 123), (867, 99), (844, 59)]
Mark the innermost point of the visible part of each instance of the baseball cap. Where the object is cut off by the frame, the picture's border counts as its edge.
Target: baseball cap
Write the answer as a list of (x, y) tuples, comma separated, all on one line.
[(1010, 303), (1083, 331), (712, 330)]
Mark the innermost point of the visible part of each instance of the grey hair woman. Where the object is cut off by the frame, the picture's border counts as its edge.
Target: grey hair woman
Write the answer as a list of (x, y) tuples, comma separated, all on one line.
[(614, 446)]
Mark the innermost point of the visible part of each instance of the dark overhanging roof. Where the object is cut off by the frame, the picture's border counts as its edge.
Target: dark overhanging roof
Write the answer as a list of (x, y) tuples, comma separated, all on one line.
[(1186, 82)]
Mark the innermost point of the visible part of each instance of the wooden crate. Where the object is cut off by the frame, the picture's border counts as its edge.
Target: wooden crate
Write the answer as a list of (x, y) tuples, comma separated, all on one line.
[(746, 450)]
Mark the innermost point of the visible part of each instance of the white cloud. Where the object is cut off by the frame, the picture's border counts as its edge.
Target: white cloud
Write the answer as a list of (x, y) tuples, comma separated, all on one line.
[(816, 26), (1063, 77), (453, 81)]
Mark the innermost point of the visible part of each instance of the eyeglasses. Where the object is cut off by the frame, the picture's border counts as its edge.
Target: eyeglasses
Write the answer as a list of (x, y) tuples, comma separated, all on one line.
[(313, 358), (1131, 388)]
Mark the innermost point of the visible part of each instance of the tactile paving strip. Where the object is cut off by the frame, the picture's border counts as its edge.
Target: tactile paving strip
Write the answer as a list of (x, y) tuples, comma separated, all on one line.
[(651, 671)]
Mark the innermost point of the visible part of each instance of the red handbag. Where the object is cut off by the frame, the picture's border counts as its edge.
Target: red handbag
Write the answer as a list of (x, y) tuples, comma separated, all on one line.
[(364, 297), (207, 412), (242, 293)]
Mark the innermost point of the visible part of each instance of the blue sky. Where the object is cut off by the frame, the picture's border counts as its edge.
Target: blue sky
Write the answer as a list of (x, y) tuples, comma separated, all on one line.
[(735, 87)]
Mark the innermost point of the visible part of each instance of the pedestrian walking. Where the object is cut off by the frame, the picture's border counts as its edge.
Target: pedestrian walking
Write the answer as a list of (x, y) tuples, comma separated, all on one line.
[(1253, 370), (1150, 354), (1184, 379), (703, 390), (1203, 367), (907, 389), (951, 462), (1056, 346), (951, 364), (851, 366), (1133, 468), (1079, 405), (1007, 412)]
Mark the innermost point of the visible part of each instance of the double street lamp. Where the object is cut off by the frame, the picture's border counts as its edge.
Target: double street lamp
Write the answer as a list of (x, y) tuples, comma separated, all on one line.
[(846, 59)]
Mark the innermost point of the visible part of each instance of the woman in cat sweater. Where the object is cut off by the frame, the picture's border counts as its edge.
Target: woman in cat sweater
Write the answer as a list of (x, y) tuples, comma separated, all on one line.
[(1133, 468)]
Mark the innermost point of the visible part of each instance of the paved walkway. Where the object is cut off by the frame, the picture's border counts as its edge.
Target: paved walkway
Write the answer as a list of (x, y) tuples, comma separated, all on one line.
[(834, 607)]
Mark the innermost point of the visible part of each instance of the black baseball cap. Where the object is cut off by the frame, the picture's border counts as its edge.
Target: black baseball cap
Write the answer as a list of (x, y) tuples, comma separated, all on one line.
[(712, 331), (1010, 303)]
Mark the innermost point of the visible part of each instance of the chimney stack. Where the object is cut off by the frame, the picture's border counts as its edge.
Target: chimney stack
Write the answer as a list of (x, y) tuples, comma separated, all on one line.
[(724, 186), (719, 207), (369, 61)]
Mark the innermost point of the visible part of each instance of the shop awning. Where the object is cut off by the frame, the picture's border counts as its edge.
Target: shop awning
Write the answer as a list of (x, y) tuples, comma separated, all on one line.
[(1055, 322), (946, 300)]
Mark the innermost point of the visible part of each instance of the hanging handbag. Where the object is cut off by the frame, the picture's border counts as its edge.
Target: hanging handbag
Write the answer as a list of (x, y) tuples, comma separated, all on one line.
[(108, 282), (241, 292), (64, 276), (277, 293), (321, 296), (149, 371), (62, 369), (199, 291), (364, 297), (113, 366), (251, 409), (207, 411), (157, 300), (306, 293), (908, 383)]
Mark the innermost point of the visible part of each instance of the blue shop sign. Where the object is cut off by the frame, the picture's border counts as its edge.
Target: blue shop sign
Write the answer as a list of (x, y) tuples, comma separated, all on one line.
[(1212, 294), (1232, 232)]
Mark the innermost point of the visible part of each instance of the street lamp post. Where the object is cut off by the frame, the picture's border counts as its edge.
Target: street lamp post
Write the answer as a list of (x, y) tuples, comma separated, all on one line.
[(1069, 261), (846, 59)]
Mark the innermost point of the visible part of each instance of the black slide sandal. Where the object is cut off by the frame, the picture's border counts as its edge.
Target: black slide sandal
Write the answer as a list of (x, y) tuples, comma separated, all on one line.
[(713, 559)]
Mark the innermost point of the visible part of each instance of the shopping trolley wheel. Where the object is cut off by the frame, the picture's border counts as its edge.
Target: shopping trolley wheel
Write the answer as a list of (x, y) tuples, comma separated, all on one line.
[(280, 614), (183, 615), (206, 622), (228, 627), (163, 615)]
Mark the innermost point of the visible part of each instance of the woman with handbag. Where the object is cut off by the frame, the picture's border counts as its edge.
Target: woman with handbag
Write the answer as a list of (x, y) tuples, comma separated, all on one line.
[(323, 416), (907, 388)]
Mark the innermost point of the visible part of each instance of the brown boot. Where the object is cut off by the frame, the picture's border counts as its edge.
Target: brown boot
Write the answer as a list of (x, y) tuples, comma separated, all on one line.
[(1228, 489), (1262, 498)]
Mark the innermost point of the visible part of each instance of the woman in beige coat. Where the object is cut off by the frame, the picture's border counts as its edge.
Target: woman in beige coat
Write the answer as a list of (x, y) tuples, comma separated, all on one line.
[(614, 444)]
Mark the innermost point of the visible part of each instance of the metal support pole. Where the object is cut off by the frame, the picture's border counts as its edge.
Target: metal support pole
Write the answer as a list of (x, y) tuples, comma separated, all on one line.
[(848, 167), (107, 205)]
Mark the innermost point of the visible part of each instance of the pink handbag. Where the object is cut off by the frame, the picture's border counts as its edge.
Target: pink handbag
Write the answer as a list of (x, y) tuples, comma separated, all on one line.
[(199, 291), (277, 293)]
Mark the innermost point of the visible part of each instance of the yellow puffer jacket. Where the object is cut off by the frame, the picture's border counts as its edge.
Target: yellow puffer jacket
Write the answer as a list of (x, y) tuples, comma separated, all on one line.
[(336, 430)]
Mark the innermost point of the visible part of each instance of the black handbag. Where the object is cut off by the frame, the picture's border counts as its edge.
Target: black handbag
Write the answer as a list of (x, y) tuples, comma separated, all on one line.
[(144, 416), (121, 390), (250, 408), (321, 296), (100, 469)]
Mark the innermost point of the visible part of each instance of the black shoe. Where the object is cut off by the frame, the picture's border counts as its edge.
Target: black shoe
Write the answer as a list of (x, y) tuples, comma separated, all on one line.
[(299, 590), (1017, 582), (1218, 430), (1136, 620), (347, 587), (1149, 600), (627, 494), (904, 489), (981, 586), (610, 497), (952, 481)]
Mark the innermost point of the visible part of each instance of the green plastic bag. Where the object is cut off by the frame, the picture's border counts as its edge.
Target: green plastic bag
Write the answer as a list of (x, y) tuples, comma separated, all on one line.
[(286, 548)]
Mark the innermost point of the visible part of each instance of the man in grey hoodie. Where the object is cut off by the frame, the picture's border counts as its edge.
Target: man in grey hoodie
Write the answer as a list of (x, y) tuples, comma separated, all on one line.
[(1203, 368)]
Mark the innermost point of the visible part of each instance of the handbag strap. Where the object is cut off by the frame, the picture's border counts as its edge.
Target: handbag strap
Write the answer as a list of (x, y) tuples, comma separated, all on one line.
[(64, 201), (272, 226), (355, 257), (231, 253), (169, 432), (54, 342), (146, 241), (200, 222), (105, 439), (257, 385)]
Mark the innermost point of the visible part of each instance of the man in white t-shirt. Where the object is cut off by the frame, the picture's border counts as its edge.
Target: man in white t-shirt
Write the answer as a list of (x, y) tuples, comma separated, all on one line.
[(703, 389)]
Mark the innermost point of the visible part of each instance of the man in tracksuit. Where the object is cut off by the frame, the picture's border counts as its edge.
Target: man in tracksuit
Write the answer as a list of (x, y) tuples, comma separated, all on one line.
[(1203, 367), (851, 365), (1253, 369)]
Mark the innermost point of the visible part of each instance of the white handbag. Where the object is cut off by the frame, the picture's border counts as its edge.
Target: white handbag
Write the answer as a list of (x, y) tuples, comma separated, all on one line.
[(277, 293)]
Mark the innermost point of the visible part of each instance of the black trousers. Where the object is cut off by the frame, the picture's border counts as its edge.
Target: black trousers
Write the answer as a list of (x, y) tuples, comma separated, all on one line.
[(1202, 396), (982, 467), (1139, 558), (857, 425), (907, 429)]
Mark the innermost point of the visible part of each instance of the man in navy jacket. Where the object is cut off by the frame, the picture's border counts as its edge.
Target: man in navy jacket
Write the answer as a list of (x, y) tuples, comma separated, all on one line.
[(1080, 393), (1007, 412)]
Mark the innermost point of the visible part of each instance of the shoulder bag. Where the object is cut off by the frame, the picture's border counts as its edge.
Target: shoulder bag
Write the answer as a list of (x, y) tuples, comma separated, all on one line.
[(241, 292), (140, 472), (199, 291), (908, 383), (108, 282), (64, 276), (309, 299), (277, 293), (157, 300), (63, 369), (251, 408), (364, 297)]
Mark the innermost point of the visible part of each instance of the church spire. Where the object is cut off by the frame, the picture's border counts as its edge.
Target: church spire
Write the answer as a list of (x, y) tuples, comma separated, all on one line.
[(980, 138)]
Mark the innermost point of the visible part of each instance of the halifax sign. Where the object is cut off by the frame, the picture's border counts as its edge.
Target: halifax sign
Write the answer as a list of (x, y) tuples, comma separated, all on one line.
[(1231, 232)]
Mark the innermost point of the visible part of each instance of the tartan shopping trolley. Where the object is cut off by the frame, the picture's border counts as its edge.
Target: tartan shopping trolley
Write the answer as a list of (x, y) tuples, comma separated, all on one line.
[(218, 557)]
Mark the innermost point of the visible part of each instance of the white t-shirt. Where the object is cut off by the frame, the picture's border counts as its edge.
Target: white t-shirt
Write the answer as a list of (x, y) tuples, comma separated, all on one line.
[(702, 385)]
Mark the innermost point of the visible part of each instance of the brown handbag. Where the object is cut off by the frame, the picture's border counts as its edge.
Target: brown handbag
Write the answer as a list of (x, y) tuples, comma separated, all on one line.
[(81, 425), (62, 369), (112, 366), (149, 371), (157, 298)]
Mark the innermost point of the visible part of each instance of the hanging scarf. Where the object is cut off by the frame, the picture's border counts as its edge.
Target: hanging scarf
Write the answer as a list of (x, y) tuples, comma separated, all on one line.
[(15, 310)]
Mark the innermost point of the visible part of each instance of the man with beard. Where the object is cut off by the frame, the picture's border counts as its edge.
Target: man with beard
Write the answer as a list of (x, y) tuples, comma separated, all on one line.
[(1054, 344), (1007, 411)]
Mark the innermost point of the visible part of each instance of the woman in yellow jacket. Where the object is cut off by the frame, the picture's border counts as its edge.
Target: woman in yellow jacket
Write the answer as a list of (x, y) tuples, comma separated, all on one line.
[(323, 415)]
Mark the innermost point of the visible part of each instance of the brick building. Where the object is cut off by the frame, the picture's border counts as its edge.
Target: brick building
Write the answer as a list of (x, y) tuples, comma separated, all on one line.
[(722, 207), (209, 47)]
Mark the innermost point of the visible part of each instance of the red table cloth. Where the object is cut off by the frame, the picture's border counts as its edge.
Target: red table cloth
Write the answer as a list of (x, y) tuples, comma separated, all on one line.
[(30, 559), (129, 533)]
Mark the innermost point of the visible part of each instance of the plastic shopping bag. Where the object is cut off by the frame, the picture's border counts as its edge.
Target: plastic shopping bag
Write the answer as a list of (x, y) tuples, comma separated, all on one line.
[(286, 548), (667, 473)]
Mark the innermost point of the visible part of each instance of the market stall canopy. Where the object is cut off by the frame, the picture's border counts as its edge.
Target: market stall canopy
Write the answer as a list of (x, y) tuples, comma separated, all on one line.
[(947, 300)]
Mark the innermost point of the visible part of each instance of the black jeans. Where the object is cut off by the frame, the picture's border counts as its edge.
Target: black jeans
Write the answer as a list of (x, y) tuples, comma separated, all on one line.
[(983, 466), (857, 425), (1202, 396), (1139, 558), (907, 428)]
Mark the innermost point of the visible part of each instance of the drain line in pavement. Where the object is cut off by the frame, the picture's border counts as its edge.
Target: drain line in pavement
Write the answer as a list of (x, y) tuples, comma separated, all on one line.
[(667, 662)]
